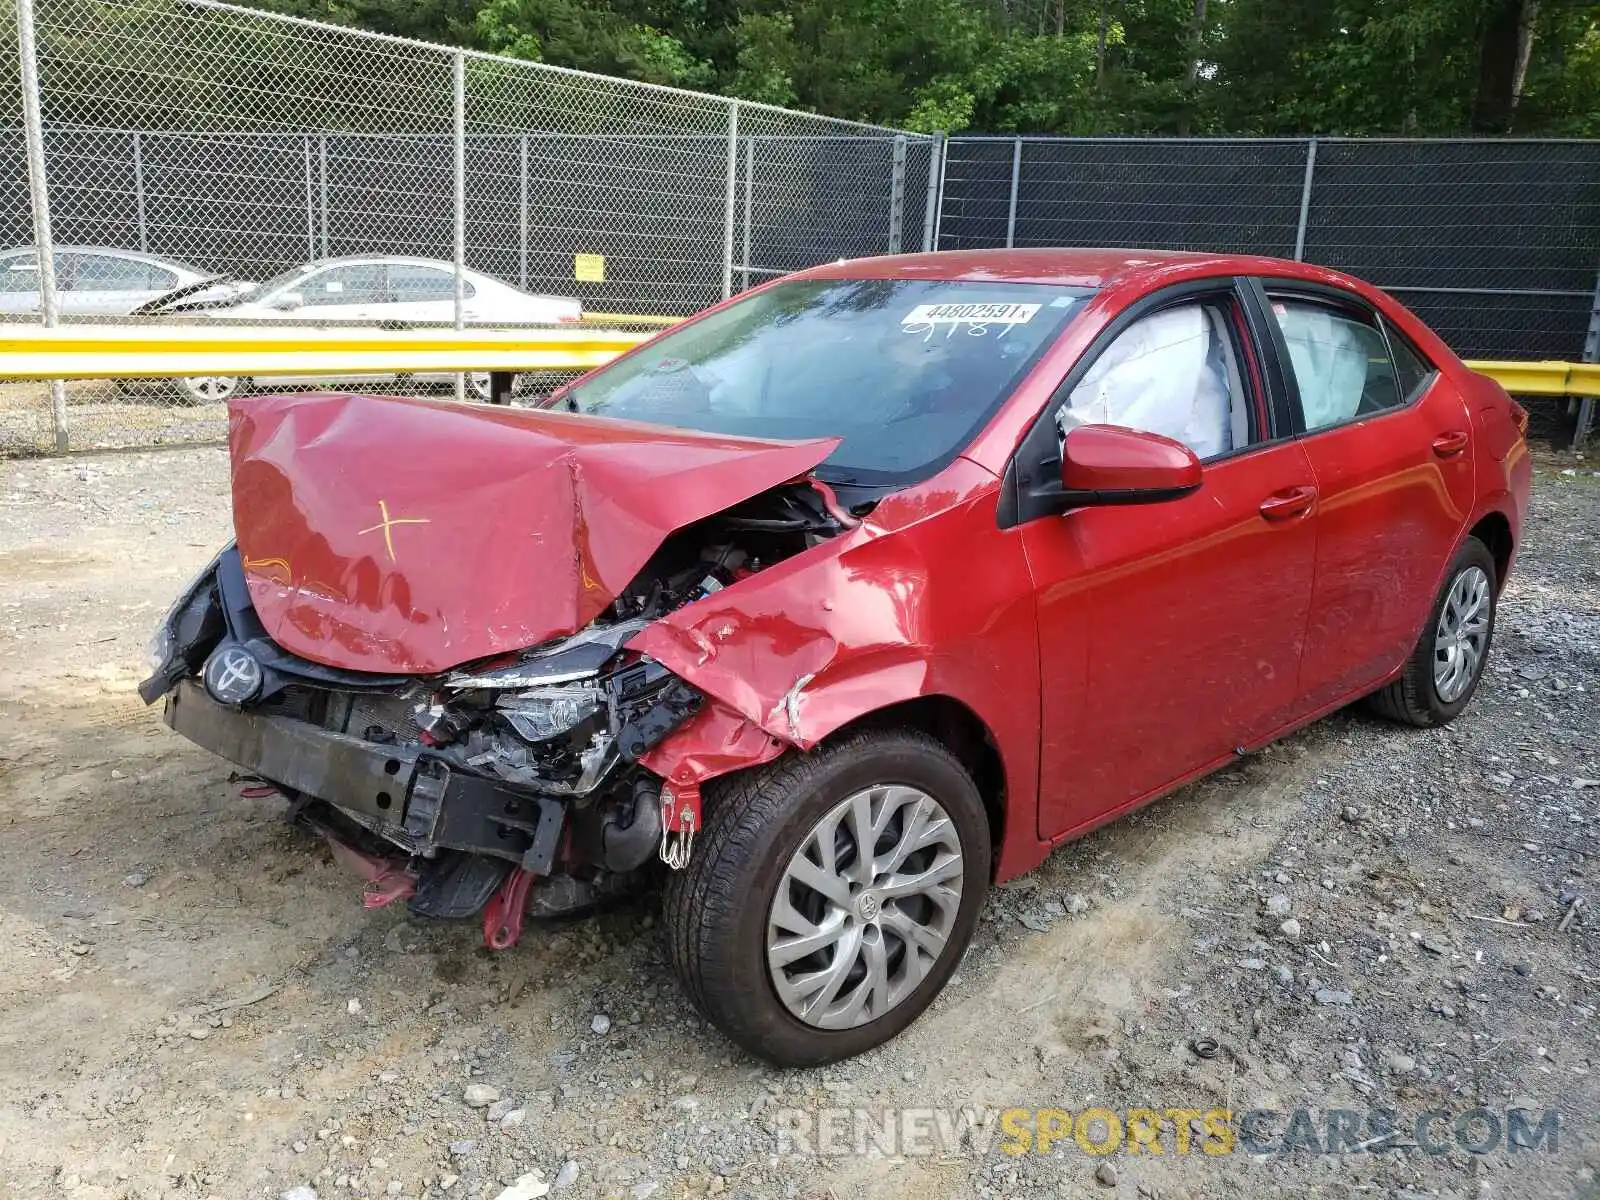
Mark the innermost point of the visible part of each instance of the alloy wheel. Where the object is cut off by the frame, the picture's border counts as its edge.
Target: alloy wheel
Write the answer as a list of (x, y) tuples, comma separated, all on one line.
[(865, 907), (211, 389), (1462, 635)]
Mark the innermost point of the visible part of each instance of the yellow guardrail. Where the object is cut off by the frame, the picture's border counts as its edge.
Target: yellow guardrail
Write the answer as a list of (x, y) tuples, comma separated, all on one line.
[(1541, 378), (93, 351), (96, 351)]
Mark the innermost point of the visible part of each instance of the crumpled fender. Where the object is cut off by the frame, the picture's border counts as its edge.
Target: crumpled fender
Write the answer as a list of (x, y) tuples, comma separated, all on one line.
[(912, 602)]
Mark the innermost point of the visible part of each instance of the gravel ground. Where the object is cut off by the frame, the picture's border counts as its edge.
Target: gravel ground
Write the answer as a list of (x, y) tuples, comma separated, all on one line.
[(193, 1002)]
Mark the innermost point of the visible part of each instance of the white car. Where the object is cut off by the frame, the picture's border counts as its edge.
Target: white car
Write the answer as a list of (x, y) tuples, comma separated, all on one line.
[(100, 281), (391, 291)]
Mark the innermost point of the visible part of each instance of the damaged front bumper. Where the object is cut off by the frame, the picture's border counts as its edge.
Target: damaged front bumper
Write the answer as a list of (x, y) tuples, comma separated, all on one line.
[(479, 779), (401, 792)]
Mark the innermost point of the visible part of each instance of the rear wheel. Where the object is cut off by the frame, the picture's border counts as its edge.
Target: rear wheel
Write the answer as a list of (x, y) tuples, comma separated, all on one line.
[(831, 896), (1447, 664)]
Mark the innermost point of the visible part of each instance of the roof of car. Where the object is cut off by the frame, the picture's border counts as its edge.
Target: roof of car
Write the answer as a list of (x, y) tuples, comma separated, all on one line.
[(1065, 266), (107, 251), (413, 259)]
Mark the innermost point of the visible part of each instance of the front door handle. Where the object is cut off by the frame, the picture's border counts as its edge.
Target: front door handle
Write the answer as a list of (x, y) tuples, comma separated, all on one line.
[(1447, 444), (1291, 502)]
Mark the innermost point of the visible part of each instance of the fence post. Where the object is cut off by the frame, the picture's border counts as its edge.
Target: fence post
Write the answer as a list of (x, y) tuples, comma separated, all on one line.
[(458, 74), (322, 188), (930, 213), (39, 198), (1305, 201), (1591, 353), (1016, 178), (749, 204), (728, 198), (897, 194), (138, 191), (522, 215), (311, 201)]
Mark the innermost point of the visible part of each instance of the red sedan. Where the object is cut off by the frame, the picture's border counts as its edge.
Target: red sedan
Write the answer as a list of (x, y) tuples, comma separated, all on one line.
[(847, 599)]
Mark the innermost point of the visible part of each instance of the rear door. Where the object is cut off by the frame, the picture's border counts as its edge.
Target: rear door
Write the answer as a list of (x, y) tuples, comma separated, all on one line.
[(1170, 633), (1389, 441), (420, 293)]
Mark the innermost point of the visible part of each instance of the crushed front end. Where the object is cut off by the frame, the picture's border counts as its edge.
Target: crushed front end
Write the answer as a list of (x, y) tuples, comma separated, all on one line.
[(504, 785)]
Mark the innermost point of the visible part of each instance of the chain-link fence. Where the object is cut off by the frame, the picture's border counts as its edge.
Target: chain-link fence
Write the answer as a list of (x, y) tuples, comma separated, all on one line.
[(185, 141), (355, 178), (1495, 244)]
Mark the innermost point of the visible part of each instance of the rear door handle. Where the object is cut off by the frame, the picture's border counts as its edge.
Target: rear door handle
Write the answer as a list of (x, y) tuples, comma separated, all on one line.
[(1447, 444), (1291, 502)]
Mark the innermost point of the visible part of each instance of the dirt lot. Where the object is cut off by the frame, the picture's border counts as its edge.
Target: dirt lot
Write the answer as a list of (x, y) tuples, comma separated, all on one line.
[(193, 1002)]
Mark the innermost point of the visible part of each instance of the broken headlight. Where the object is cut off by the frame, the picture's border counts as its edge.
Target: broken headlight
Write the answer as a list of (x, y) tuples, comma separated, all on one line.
[(542, 713), (160, 648), (191, 627)]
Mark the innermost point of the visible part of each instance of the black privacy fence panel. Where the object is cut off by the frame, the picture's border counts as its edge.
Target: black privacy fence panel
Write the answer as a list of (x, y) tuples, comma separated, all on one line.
[(1495, 243)]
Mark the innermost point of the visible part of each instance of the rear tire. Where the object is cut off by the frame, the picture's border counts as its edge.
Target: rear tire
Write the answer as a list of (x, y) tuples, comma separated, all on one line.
[(1443, 672), (892, 938)]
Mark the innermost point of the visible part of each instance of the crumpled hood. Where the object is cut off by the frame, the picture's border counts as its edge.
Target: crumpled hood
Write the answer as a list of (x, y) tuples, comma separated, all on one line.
[(409, 536)]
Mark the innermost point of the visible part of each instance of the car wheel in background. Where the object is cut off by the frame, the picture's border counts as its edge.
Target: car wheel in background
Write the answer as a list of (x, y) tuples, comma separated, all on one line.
[(479, 385), (212, 389), (1443, 671), (830, 896)]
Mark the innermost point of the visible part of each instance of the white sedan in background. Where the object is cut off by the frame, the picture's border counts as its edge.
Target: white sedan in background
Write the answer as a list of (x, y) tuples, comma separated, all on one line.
[(390, 291), (98, 281)]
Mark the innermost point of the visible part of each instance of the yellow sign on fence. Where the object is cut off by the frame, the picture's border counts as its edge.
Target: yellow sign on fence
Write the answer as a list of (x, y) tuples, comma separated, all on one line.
[(589, 268)]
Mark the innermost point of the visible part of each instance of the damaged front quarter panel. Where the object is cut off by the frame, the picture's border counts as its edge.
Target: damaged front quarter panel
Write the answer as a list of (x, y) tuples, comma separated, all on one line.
[(910, 603)]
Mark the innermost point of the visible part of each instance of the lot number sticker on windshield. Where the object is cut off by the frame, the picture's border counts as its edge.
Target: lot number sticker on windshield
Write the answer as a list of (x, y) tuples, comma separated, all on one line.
[(978, 318)]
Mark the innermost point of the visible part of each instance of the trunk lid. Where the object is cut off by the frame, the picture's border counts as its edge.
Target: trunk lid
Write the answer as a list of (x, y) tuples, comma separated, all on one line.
[(410, 536)]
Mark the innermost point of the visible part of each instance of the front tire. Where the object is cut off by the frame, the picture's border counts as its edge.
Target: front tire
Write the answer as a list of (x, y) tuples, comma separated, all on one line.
[(800, 947), (1443, 672)]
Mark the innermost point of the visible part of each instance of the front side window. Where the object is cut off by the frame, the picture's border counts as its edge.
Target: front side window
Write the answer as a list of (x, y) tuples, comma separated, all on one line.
[(352, 283), (1341, 362), (1176, 373), (904, 370)]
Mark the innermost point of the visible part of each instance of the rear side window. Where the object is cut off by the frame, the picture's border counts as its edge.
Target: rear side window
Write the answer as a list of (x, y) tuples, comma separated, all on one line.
[(1410, 367), (411, 282), (1341, 362)]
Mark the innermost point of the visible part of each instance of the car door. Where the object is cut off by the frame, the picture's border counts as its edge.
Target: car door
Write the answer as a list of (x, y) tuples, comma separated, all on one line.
[(422, 294), (1395, 477), (1170, 633), (345, 292)]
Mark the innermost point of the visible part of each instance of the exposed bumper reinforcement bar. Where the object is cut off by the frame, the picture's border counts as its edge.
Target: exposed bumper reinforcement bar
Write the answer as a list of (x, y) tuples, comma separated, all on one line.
[(401, 786)]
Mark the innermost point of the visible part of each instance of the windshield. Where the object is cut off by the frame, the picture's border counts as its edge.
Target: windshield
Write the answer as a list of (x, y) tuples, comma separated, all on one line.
[(904, 370)]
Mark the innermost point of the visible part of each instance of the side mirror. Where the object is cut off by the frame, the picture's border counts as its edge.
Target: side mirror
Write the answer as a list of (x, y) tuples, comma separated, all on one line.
[(1106, 464), (287, 301)]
